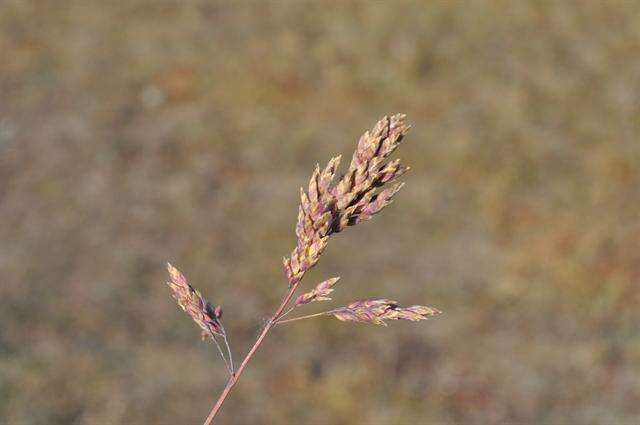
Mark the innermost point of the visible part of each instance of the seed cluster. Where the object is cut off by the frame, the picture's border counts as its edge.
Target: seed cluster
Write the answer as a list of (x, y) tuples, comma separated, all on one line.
[(319, 293), (378, 310), (194, 304), (357, 196)]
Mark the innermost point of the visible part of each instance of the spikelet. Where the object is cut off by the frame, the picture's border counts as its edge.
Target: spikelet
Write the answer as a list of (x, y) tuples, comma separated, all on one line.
[(319, 293), (194, 304), (356, 197), (377, 310)]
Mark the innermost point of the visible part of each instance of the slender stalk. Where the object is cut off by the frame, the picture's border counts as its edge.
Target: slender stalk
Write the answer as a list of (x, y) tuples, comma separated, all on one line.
[(309, 316), (226, 342), (230, 369), (236, 376), (286, 312)]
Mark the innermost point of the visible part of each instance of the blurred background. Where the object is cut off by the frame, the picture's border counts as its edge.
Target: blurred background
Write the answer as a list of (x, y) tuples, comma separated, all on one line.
[(135, 133)]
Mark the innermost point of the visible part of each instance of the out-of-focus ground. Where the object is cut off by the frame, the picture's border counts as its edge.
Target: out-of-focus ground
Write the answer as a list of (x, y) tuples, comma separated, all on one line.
[(132, 133)]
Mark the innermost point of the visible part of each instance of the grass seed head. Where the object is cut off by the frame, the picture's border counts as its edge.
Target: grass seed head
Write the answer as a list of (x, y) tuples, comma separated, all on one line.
[(194, 304), (377, 310), (357, 196), (319, 293)]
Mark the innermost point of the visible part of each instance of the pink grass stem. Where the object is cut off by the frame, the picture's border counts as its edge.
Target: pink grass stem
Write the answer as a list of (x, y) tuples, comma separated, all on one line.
[(233, 380)]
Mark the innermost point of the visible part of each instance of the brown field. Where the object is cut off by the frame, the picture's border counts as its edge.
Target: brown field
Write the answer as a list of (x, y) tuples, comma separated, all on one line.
[(138, 132)]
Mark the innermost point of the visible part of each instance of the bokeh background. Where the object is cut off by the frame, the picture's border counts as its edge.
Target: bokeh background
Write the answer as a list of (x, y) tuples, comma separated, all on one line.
[(135, 133)]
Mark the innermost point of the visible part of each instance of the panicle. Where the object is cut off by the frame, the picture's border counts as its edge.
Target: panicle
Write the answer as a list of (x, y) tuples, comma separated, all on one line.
[(357, 195)]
